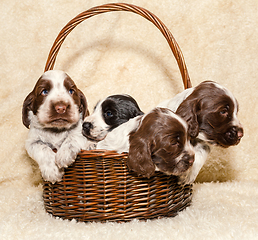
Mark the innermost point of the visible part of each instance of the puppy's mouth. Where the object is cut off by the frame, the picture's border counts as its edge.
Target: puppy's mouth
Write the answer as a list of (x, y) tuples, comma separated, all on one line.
[(92, 138), (59, 125), (59, 122)]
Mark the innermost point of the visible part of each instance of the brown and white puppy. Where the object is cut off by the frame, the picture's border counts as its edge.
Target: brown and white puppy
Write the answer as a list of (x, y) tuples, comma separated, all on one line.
[(53, 112), (157, 141), (211, 113)]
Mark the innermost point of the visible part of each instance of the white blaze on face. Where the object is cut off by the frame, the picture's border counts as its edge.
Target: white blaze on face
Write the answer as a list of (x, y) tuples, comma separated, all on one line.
[(188, 148), (99, 128), (57, 93), (235, 121)]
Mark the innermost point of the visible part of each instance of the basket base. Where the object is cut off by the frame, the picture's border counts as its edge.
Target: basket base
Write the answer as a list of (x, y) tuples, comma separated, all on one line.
[(100, 188)]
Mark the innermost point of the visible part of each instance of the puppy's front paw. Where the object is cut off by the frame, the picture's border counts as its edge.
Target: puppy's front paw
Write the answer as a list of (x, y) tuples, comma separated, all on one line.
[(52, 173), (65, 157), (186, 178), (91, 145)]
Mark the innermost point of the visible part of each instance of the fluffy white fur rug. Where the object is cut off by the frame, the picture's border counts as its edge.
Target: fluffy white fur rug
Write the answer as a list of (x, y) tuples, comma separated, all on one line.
[(123, 53)]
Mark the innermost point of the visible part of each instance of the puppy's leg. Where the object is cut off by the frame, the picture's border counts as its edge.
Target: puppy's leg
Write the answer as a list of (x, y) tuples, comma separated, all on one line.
[(45, 157), (68, 151), (90, 145)]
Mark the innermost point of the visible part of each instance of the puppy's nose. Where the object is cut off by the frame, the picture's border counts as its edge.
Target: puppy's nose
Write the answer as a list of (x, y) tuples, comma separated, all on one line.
[(235, 133), (232, 133), (60, 108), (87, 126), (189, 158), (240, 133)]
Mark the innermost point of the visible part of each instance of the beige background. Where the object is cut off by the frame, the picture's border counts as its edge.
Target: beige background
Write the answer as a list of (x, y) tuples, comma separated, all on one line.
[(121, 52)]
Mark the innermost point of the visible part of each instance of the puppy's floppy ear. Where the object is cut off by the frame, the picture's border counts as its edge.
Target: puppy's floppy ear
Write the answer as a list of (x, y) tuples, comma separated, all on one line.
[(139, 156), (27, 106), (188, 110), (83, 105)]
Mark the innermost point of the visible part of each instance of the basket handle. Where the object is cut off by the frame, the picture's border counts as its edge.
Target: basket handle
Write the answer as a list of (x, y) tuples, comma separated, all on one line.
[(120, 7)]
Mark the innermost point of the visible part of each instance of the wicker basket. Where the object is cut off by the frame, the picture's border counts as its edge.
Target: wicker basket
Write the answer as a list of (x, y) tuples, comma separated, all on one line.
[(98, 186)]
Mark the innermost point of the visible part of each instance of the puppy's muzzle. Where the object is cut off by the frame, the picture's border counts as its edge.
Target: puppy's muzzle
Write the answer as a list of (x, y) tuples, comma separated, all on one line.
[(234, 135), (188, 160), (86, 128), (185, 163)]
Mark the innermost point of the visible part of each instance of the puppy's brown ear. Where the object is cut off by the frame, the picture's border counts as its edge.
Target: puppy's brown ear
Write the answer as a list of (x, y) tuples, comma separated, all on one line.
[(27, 106), (188, 110), (139, 156), (83, 105)]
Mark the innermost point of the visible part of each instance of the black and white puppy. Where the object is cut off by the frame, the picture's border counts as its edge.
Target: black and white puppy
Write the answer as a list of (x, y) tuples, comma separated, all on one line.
[(211, 113), (157, 141), (53, 112), (108, 114)]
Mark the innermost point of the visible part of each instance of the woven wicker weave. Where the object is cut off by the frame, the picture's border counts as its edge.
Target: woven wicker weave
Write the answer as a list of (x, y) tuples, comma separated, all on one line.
[(98, 186)]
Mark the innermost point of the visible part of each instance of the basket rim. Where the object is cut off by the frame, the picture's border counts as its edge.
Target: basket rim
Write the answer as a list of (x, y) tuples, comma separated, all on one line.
[(101, 152)]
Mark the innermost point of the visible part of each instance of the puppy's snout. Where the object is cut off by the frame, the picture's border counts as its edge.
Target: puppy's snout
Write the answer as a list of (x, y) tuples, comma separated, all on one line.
[(240, 133), (87, 126), (60, 108), (188, 158), (184, 164), (234, 134)]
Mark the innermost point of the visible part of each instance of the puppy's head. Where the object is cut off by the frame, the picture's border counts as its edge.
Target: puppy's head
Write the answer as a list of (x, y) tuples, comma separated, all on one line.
[(109, 114), (211, 110), (55, 102), (162, 143)]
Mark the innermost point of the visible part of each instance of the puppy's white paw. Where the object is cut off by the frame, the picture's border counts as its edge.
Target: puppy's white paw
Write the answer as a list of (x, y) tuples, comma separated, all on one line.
[(65, 157), (91, 145), (52, 173), (187, 178)]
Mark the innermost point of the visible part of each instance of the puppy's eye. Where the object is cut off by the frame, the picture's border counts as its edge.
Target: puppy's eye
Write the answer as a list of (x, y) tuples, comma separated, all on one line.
[(71, 91), (224, 112), (44, 92), (109, 114), (176, 140)]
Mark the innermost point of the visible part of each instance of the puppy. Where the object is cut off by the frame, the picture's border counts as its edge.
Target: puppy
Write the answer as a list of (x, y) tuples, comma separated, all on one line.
[(109, 114), (53, 112), (157, 141), (211, 113)]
